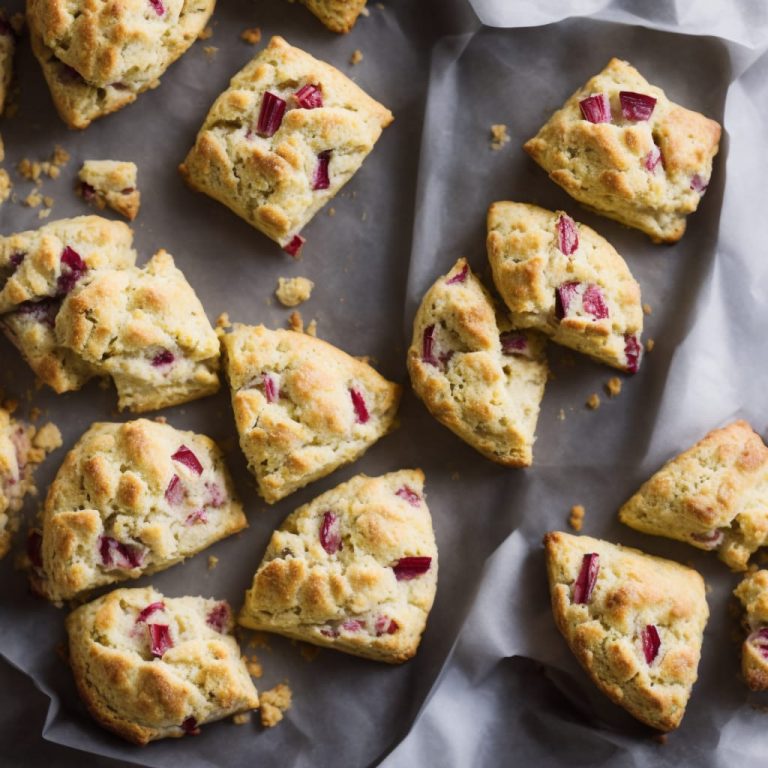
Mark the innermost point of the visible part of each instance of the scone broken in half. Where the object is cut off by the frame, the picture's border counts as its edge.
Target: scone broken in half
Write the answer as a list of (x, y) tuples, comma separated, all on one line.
[(477, 376), (753, 594), (355, 570), (621, 147), (132, 499), (713, 496), (562, 278), (282, 140), (633, 621), (150, 667), (110, 183), (302, 407)]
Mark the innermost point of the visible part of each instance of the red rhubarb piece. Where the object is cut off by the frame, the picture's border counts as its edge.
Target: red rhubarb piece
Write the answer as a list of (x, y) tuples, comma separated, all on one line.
[(160, 639), (309, 97), (698, 184), (216, 495), (514, 343), (427, 347), (636, 106), (759, 639), (72, 269), (186, 457), (386, 626), (633, 352), (564, 295), (351, 625), (330, 534), (409, 495), (711, 540), (189, 726), (358, 403), (652, 159), (149, 610), (158, 6), (270, 114), (651, 642), (163, 358), (321, 180), (596, 108), (567, 235), (218, 617), (407, 568), (459, 277), (294, 247), (116, 554), (197, 517), (271, 391), (585, 583), (593, 302), (175, 493)]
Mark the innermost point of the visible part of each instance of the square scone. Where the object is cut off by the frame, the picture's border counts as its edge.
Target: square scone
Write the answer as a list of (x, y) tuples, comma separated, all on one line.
[(282, 140), (354, 570), (622, 148), (337, 15)]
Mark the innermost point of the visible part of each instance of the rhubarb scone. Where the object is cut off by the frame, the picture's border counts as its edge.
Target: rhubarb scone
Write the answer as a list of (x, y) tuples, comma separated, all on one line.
[(753, 594), (355, 570), (282, 140), (303, 408), (622, 148), (150, 667), (337, 15), (713, 496), (476, 375), (98, 57), (7, 49), (110, 183), (633, 621), (561, 278), (132, 499)]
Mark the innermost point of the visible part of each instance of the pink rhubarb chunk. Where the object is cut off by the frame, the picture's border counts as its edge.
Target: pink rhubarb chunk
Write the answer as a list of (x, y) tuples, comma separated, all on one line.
[(218, 617), (594, 302), (186, 457), (115, 553), (270, 114), (596, 108), (564, 296), (72, 269), (698, 184), (759, 639), (652, 159), (358, 403), (633, 352), (271, 391), (175, 493), (309, 97), (330, 534), (409, 495), (514, 343), (585, 582), (198, 517), (321, 179), (158, 6), (149, 610), (407, 568), (386, 626), (636, 106), (567, 235), (459, 277), (161, 359), (189, 726), (712, 540), (351, 625), (651, 643), (160, 639), (294, 247)]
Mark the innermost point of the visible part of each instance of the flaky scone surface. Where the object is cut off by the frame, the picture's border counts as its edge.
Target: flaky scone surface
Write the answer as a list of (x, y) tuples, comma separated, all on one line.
[(338, 15), (632, 593), (329, 575), (110, 183), (753, 594)]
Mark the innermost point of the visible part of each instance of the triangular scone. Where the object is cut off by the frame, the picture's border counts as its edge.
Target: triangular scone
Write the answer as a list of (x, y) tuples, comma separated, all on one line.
[(337, 15), (146, 329), (355, 570), (98, 57), (302, 407), (563, 279), (634, 622), (753, 594), (477, 376), (150, 667), (713, 496), (621, 147), (132, 499)]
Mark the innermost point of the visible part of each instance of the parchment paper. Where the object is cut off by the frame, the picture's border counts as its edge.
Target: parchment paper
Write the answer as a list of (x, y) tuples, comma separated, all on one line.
[(493, 682)]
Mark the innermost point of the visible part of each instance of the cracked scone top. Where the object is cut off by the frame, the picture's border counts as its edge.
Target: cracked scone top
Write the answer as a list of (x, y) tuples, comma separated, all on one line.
[(753, 594), (98, 57), (713, 496), (477, 376), (302, 407), (132, 499), (110, 183), (150, 667), (622, 148), (560, 277), (337, 15), (282, 140), (355, 570), (633, 621)]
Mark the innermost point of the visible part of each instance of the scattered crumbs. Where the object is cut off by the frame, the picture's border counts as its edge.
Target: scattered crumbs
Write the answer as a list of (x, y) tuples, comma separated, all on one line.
[(253, 665), (259, 640), (29, 169), (43, 213), (576, 519), (222, 321), (5, 185), (312, 328), (649, 345), (251, 36), (210, 52), (593, 401), (499, 135), (309, 652), (213, 561), (561, 415), (33, 199), (647, 309), (206, 34), (48, 201), (356, 57), (273, 703), (613, 386), (60, 156), (52, 170), (243, 718), (331, 211), (455, 476), (35, 413), (296, 322), (293, 291), (48, 438)]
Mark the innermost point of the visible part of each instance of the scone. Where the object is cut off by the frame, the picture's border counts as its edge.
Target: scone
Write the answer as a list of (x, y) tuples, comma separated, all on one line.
[(98, 57), (476, 375), (303, 408), (146, 329), (563, 279), (622, 148), (284, 138), (337, 15), (633, 621), (713, 496), (7, 49), (132, 499), (753, 594), (149, 667), (110, 183), (355, 570)]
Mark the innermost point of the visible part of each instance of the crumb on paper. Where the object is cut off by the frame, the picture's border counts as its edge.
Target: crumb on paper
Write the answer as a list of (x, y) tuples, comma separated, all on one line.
[(312, 328), (647, 309), (561, 415), (29, 169), (308, 652), (210, 52), (5, 185), (613, 386), (242, 718), (253, 665), (649, 345), (48, 201), (356, 57), (33, 200), (296, 322), (251, 36), (365, 12), (293, 291), (48, 437), (331, 211), (213, 561), (206, 34), (593, 401), (576, 518), (223, 321), (273, 703), (60, 156), (499, 136), (43, 213)]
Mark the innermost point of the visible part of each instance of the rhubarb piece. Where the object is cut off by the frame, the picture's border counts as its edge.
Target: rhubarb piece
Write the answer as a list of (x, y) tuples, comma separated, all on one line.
[(514, 343), (636, 106), (596, 108), (409, 495), (358, 403), (321, 179), (698, 184), (175, 493), (653, 158), (713, 496), (663, 602), (187, 457), (427, 345), (117, 554), (199, 516), (370, 598), (161, 359), (460, 276), (178, 670), (270, 114), (752, 592), (294, 246), (338, 17), (567, 235), (110, 183), (158, 6), (633, 351), (219, 617), (309, 97)]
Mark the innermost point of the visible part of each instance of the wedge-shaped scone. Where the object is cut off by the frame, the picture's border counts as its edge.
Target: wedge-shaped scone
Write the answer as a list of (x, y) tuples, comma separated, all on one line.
[(563, 279), (149, 667), (302, 407), (753, 594), (633, 621), (355, 570), (110, 183), (7, 49), (622, 148), (337, 15), (132, 499), (98, 57), (713, 496), (282, 140), (477, 376)]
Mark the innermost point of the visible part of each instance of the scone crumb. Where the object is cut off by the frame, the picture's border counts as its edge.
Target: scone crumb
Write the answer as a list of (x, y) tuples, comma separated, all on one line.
[(613, 387), (647, 309), (5, 185), (48, 201), (33, 200), (593, 401), (29, 169), (296, 322), (243, 718), (365, 12), (499, 136), (649, 345), (356, 57), (210, 52), (48, 437), (206, 34), (251, 36), (273, 703), (576, 519), (213, 561), (253, 665), (561, 415), (331, 211), (312, 328), (293, 291), (223, 321), (43, 213), (60, 156)]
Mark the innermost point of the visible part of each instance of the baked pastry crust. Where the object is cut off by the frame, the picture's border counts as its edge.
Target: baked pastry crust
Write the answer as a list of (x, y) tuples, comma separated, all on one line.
[(614, 167), (337, 15), (270, 181), (712, 496), (485, 391), (98, 57), (127, 501), (327, 577), (110, 183), (586, 299), (303, 408), (143, 697), (753, 594), (632, 592)]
